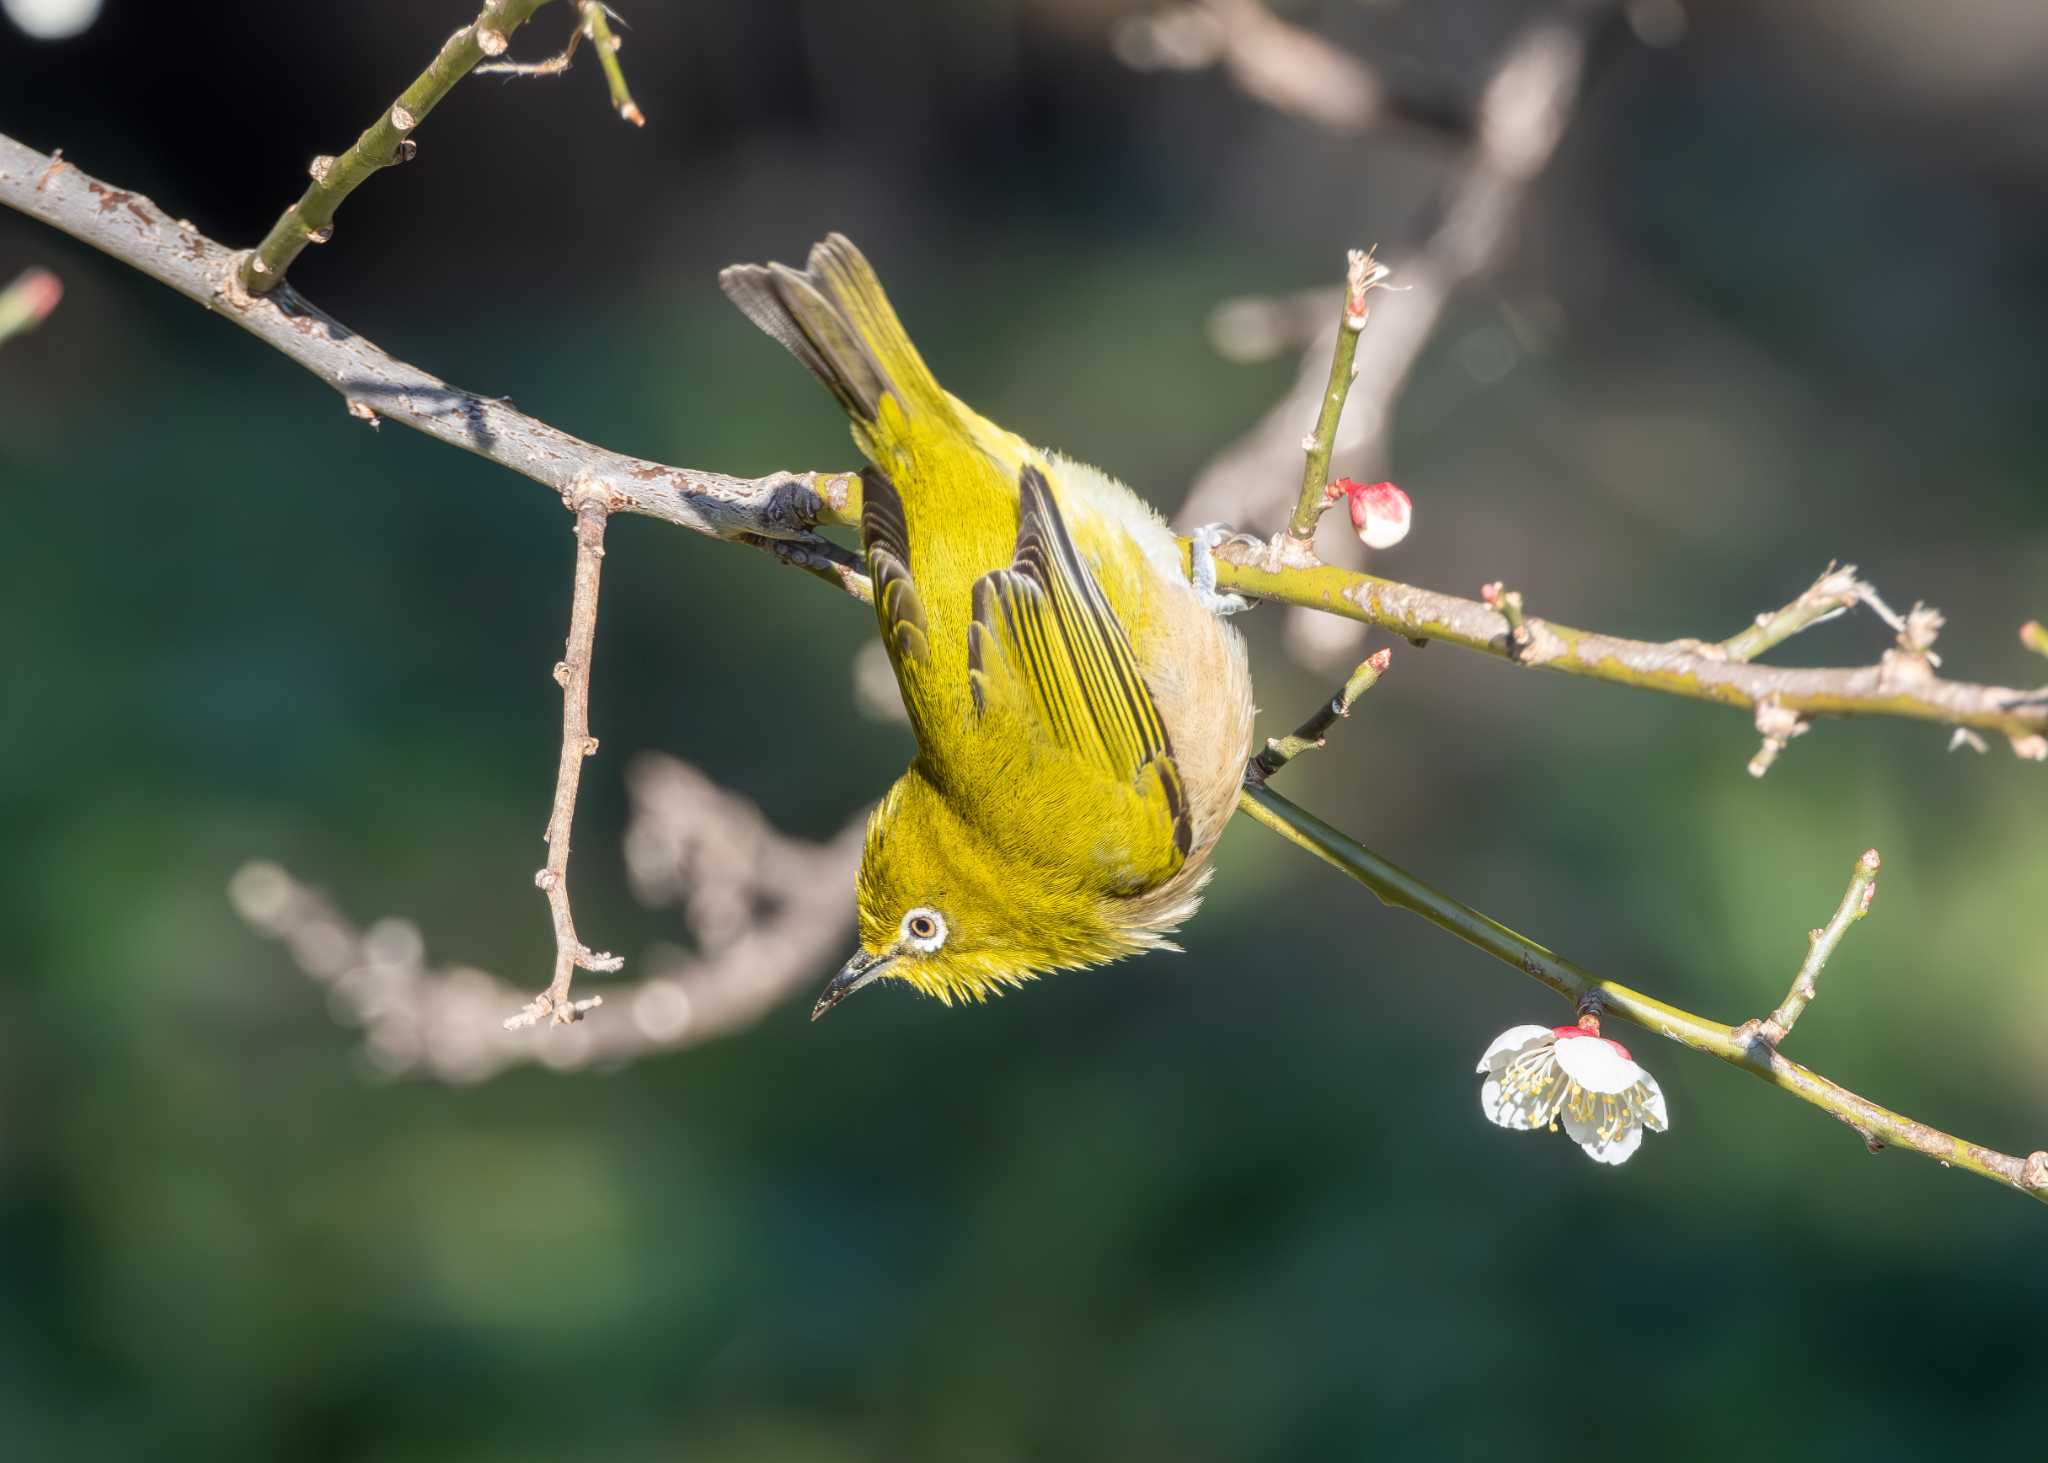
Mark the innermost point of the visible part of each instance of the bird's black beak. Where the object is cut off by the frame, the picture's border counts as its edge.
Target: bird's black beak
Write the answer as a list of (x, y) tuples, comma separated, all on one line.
[(856, 973)]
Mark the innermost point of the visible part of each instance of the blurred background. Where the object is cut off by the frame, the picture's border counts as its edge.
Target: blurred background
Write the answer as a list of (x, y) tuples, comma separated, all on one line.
[(1707, 294)]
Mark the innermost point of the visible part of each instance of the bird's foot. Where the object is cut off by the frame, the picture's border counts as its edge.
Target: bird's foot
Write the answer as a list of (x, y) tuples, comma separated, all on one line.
[(1202, 545)]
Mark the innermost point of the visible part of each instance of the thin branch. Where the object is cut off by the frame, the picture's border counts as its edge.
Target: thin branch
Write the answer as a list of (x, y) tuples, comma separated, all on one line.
[(597, 25), (1362, 275), (780, 512), (554, 65), (1282, 750), (385, 141), (1835, 593), (1901, 685), (1508, 604), (573, 675), (1524, 107), (777, 512), (1403, 890), (1820, 945), (593, 23)]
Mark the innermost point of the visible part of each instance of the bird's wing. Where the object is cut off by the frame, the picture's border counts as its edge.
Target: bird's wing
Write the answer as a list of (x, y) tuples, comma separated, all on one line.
[(887, 541), (1044, 641)]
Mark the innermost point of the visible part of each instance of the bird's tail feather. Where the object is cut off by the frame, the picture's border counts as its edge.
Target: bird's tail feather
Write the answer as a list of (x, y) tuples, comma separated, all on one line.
[(834, 317)]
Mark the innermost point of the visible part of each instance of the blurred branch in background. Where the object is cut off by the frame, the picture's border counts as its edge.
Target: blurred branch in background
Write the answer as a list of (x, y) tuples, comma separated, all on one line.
[(1524, 107), (766, 915), (1289, 68)]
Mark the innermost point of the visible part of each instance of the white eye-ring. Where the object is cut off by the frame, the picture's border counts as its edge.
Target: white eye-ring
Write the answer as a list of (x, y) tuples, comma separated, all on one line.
[(924, 930)]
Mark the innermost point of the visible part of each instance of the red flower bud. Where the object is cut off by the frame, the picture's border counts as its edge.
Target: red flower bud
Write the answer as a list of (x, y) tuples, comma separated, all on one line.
[(1380, 512)]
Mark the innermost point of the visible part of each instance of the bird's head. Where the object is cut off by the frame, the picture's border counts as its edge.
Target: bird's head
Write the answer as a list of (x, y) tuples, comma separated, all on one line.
[(945, 909)]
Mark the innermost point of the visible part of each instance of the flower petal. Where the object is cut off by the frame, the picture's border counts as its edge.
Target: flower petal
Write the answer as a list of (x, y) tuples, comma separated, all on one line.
[(1508, 1043), (1525, 1091), (1650, 1098), (1616, 1150), (1597, 1064)]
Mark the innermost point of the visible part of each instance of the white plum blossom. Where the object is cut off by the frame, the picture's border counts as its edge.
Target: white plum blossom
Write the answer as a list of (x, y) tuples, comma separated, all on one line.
[(1539, 1075)]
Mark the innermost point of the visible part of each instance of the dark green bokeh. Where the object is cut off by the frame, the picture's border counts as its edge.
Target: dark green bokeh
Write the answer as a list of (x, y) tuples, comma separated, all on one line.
[(1237, 1204)]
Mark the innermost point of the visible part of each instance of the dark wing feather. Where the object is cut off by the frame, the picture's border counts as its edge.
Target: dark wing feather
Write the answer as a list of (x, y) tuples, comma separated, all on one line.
[(885, 537)]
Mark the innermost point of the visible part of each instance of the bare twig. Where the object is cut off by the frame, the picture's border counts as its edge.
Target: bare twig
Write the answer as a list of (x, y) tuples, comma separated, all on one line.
[(573, 675), (1521, 115), (1836, 592), (1362, 275), (553, 65), (1820, 944), (597, 25), (385, 141), (593, 23), (1895, 687), (767, 915), (28, 301), (1507, 603), (1777, 724), (777, 512), (1403, 890), (1282, 750)]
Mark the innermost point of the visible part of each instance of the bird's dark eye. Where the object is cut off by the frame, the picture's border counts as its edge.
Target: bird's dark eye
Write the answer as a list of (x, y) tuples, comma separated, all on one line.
[(923, 926)]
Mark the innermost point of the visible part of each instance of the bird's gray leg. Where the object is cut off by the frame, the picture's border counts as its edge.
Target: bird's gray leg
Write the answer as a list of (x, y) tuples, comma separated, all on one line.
[(1202, 569)]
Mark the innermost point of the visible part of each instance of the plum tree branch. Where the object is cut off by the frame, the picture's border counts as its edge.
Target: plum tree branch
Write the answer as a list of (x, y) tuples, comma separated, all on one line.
[(572, 673), (1396, 887), (1820, 946), (385, 141), (1902, 685), (781, 512), (1362, 275), (778, 512)]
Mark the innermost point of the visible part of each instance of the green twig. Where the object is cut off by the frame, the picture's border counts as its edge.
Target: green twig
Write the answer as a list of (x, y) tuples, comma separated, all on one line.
[(597, 25), (386, 141), (1362, 275), (1282, 750), (1507, 603), (1837, 591), (1403, 890), (1820, 944)]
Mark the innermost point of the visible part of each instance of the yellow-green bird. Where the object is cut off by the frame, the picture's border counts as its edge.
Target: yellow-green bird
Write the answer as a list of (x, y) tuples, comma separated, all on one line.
[(1082, 714)]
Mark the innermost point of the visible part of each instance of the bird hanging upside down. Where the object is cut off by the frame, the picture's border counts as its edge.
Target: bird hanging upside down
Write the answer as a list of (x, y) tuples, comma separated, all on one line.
[(1082, 714)]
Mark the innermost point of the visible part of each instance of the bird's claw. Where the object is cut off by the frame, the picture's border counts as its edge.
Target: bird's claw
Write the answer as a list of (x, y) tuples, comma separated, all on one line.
[(1202, 545)]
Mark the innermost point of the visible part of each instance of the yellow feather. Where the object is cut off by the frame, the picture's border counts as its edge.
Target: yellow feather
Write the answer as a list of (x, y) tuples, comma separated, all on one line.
[(1082, 720)]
